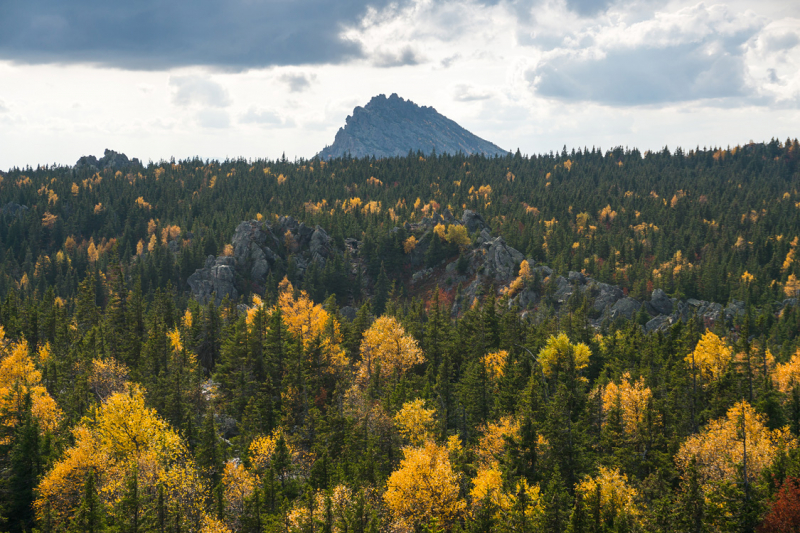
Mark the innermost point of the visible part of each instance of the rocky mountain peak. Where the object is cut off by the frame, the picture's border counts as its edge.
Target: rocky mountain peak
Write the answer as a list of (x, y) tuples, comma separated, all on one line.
[(393, 126)]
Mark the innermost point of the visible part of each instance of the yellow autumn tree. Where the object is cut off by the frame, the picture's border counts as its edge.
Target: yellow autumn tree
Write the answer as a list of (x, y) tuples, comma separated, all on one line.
[(559, 354), (386, 344), (263, 448), (457, 234), (719, 450), (415, 422), (792, 286), (409, 244), (238, 485), (19, 377), (617, 497), (495, 364), (488, 485), (787, 375), (710, 357), (123, 436), (492, 443), (631, 398), (424, 487), (311, 323)]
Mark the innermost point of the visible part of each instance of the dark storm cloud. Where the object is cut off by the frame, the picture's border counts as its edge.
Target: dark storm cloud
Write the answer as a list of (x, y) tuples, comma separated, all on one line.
[(158, 34)]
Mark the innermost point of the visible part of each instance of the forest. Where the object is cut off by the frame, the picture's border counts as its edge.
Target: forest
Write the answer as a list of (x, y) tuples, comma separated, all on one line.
[(391, 378)]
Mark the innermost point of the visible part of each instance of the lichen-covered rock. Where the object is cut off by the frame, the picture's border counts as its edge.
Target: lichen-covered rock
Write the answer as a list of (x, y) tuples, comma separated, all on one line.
[(607, 295), (252, 247), (216, 279), (501, 260), (661, 302), (625, 308), (473, 221)]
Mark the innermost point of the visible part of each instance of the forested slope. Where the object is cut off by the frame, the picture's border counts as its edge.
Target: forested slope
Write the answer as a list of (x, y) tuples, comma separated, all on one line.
[(363, 381)]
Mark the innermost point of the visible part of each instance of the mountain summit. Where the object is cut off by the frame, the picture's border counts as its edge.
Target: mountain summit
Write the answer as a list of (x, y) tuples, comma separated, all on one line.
[(388, 127)]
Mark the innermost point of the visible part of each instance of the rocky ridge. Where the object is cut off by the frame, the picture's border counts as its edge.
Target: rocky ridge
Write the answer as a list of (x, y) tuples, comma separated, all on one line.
[(388, 127), (490, 264), (111, 159)]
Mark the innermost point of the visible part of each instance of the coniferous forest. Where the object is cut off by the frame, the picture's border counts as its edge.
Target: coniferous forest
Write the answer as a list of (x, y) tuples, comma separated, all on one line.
[(585, 341)]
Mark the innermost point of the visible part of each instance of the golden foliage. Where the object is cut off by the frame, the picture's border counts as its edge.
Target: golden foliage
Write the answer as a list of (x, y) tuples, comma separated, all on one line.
[(719, 449), (310, 322), (631, 399), (386, 343), (374, 181), (263, 447), (792, 286), (607, 214), (787, 375), (711, 356), (616, 496), (238, 484), (495, 364), (415, 422), (488, 484), (440, 230), (281, 179), (92, 252), (213, 525), (457, 234), (424, 487), (108, 377), (151, 246), (142, 204), (410, 244), (75, 189), (559, 354), (19, 377), (122, 435), (49, 219), (491, 445), (373, 207)]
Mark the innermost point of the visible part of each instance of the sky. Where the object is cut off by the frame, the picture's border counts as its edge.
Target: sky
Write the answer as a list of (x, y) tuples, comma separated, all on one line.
[(217, 79)]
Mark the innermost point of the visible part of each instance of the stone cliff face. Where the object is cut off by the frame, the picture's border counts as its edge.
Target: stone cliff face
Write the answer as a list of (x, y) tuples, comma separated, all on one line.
[(388, 127)]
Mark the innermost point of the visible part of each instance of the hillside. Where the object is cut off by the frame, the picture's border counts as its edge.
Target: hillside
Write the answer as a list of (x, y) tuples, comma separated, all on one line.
[(258, 346), (389, 127)]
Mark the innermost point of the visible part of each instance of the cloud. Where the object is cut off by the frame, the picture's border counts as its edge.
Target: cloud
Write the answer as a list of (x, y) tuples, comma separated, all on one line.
[(213, 118), (162, 34), (692, 54), (401, 58), (265, 117), (467, 93), (197, 90), (298, 81), (3, 107)]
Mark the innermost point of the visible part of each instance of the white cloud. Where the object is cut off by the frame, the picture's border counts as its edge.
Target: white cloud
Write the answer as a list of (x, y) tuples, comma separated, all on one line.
[(213, 118), (266, 117), (298, 81), (198, 90)]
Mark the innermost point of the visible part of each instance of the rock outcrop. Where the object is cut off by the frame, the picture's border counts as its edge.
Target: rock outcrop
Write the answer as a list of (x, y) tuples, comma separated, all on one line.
[(389, 127), (111, 159), (216, 279)]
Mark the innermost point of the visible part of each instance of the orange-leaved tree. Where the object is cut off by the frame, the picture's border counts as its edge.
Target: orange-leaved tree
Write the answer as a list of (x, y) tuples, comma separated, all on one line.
[(387, 346), (424, 487), (729, 443), (121, 439), (710, 357), (19, 378)]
